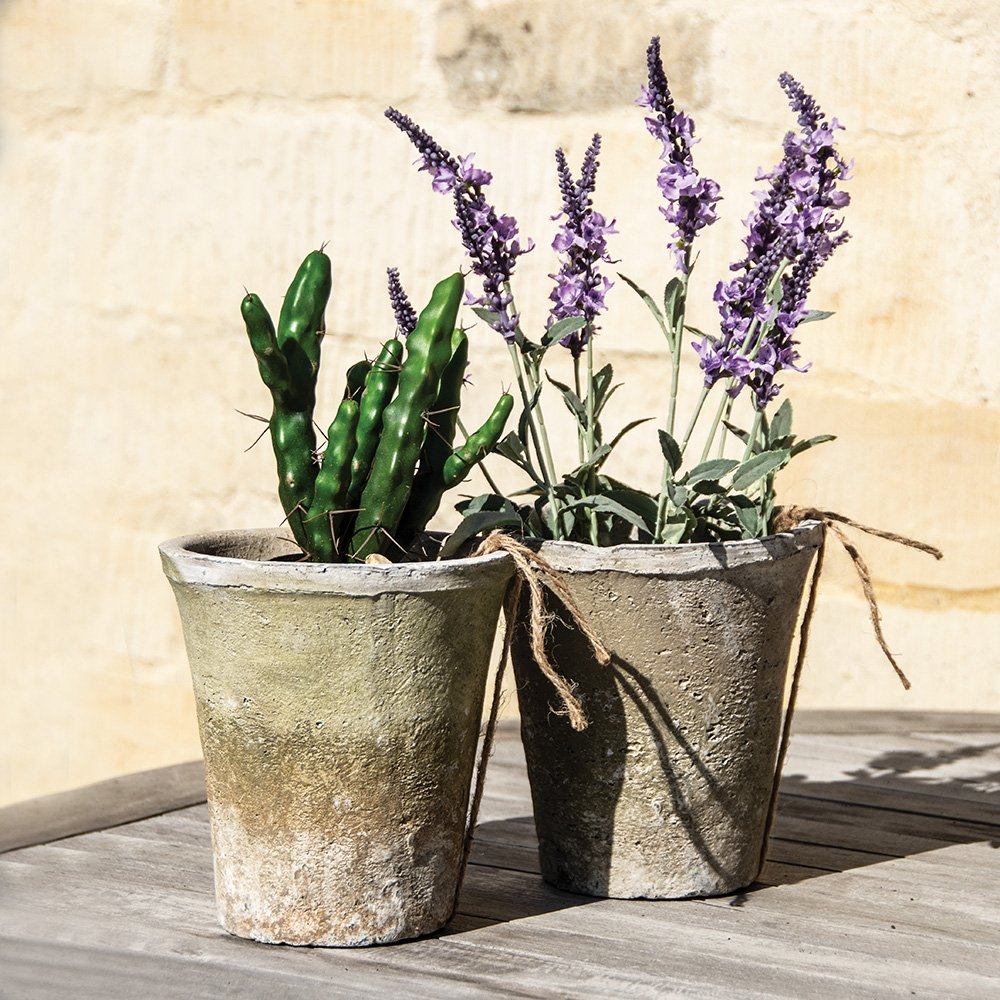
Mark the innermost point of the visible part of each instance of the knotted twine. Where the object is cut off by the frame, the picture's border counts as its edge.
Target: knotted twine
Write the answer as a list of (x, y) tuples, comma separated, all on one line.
[(790, 517), (529, 569)]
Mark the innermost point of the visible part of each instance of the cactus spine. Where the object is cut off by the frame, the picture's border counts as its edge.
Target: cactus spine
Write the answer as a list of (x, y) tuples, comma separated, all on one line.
[(389, 455)]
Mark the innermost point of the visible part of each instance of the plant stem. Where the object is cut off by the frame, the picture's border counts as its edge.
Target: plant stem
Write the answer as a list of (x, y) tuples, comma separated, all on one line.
[(675, 355), (661, 507), (537, 432), (722, 434), (589, 452), (715, 425), (539, 417), (674, 338), (754, 431), (579, 395), (694, 419)]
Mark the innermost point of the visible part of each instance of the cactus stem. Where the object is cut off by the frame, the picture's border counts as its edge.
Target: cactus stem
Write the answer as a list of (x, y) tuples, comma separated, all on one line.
[(482, 465)]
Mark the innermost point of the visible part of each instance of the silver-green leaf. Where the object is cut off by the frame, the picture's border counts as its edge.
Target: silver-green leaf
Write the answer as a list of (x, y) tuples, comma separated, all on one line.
[(711, 471), (756, 468)]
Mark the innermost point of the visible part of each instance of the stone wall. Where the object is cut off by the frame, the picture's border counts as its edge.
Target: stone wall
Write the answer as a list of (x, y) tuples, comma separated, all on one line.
[(158, 155)]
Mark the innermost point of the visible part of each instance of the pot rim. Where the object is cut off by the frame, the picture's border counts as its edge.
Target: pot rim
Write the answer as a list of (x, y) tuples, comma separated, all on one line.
[(186, 562), (681, 558)]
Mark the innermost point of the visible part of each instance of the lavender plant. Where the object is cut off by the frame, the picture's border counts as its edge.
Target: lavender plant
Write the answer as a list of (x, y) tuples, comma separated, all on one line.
[(792, 231)]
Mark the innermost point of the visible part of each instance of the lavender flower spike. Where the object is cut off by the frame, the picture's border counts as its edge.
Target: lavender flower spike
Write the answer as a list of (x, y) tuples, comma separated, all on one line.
[(790, 234), (489, 239), (436, 159), (406, 316), (581, 244), (691, 198)]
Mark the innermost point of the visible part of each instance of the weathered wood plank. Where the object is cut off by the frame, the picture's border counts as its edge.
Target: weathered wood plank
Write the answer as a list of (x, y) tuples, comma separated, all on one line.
[(840, 722), (102, 805)]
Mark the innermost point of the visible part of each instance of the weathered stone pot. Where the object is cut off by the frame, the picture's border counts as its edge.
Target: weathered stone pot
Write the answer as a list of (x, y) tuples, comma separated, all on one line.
[(339, 709), (666, 793)]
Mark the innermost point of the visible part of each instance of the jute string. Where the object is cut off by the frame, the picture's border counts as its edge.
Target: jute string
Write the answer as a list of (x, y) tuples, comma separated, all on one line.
[(530, 569), (786, 519)]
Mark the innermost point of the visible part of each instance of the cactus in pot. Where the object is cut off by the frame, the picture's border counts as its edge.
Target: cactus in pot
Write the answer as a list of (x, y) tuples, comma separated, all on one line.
[(390, 452)]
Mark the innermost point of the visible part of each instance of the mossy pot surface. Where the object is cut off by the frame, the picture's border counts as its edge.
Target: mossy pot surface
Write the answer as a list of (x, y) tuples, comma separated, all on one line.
[(666, 793), (339, 708)]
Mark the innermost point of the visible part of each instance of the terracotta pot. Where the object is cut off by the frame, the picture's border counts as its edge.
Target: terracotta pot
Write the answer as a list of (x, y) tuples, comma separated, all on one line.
[(339, 708), (666, 794)]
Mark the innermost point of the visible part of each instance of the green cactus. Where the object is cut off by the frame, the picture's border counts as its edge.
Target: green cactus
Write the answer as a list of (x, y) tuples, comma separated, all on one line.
[(288, 361), (389, 455)]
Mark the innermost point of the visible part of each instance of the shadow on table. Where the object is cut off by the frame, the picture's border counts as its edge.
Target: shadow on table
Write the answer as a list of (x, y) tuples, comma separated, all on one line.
[(503, 881), (900, 804)]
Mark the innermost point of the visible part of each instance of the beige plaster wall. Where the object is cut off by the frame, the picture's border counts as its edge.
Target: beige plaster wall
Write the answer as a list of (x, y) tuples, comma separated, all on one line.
[(157, 155)]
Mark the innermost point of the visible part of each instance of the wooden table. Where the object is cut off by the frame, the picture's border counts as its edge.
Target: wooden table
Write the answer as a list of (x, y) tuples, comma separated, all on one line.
[(883, 880)]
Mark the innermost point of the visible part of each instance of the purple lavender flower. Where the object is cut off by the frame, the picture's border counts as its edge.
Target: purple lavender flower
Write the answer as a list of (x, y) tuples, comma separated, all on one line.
[(691, 198), (406, 316), (582, 244), (436, 159), (491, 240), (790, 234)]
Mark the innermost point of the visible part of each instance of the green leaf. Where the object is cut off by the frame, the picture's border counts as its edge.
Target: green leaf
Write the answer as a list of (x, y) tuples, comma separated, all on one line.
[(594, 463), (679, 495), (475, 524), (711, 471), (811, 442), (756, 468), (781, 422), (749, 519), (486, 315), (486, 501), (599, 409), (640, 503), (562, 328), (694, 330), (650, 304), (671, 450), (602, 386), (573, 402), (512, 449), (628, 427), (673, 302), (561, 386), (677, 526), (603, 504), (815, 315), (743, 435), (522, 422)]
